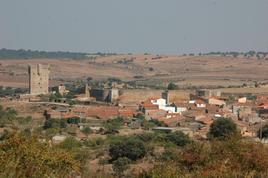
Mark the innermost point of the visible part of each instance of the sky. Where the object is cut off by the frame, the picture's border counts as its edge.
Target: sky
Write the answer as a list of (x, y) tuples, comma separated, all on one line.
[(134, 26)]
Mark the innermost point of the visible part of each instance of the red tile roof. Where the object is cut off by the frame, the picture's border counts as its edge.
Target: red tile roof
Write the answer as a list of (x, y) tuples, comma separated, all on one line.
[(200, 101), (263, 105), (103, 112), (148, 105)]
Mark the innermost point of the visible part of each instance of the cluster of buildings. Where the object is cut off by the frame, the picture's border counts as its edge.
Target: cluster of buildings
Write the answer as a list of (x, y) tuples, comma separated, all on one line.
[(39, 85), (193, 116), (205, 106)]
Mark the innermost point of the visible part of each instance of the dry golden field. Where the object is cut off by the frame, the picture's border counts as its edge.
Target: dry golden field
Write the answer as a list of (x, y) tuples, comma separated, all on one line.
[(184, 70)]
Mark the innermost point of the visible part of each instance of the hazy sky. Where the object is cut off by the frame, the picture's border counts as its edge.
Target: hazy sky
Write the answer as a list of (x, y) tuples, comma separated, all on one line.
[(137, 26)]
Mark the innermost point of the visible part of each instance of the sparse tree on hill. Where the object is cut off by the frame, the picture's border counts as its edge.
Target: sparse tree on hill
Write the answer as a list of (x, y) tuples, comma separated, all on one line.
[(89, 79), (172, 86)]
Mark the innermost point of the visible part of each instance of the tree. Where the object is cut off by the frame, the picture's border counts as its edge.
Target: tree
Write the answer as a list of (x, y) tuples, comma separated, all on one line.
[(30, 158), (120, 166), (263, 132), (256, 84), (179, 138), (235, 54), (73, 120), (222, 128), (54, 123), (114, 79), (132, 149), (151, 69), (55, 97), (172, 86), (89, 79)]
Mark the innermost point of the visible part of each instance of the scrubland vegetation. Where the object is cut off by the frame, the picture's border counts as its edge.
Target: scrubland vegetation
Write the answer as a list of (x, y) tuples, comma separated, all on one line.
[(30, 153)]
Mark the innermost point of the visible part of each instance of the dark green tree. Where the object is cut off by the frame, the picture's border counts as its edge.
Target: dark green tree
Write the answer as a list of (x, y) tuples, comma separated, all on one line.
[(263, 132), (222, 128), (132, 149), (73, 120), (89, 79), (172, 86), (54, 123)]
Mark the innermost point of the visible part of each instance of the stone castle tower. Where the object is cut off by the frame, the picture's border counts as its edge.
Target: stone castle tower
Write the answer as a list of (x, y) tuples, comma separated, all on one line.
[(38, 79)]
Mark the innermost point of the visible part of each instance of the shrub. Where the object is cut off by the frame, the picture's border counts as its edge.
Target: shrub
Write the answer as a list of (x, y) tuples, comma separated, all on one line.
[(120, 166), (7, 116), (87, 130), (158, 123), (132, 149), (218, 158), (24, 120), (55, 123), (94, 142), (112, 126), (178, 138), (70, 143)]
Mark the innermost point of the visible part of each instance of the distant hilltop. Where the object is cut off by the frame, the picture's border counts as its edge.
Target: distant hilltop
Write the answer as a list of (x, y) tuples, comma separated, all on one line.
[(34, 54), (31, 54)]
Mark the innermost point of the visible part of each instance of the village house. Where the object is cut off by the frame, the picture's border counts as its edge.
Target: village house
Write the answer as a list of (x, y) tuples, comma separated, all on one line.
[(162, 103), (262, 110), (216, 101), (242, 100), (200, 103), (263, 105), (261, 99)]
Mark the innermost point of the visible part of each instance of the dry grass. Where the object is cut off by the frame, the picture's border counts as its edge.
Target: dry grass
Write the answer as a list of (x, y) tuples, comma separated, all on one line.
[(186, 71)]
